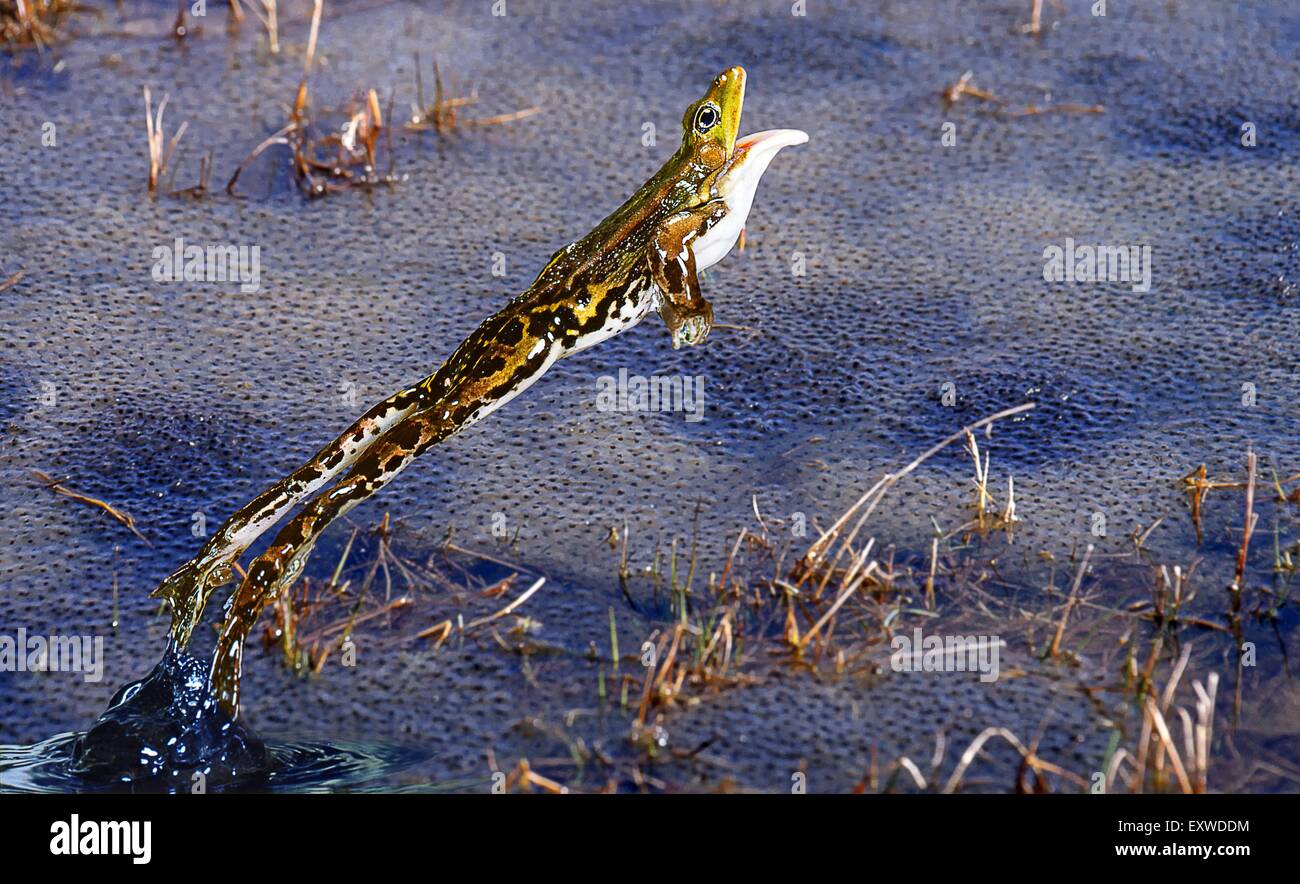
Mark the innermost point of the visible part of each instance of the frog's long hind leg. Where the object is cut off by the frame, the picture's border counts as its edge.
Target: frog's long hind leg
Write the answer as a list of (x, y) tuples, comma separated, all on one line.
[(189, 587), (284, 560)]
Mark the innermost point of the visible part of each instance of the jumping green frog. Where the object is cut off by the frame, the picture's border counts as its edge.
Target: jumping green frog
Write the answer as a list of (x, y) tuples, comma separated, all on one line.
[(645, 256)]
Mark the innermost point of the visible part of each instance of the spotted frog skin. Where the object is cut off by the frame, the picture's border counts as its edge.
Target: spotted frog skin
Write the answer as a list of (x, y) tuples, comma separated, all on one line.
[(643, 257)]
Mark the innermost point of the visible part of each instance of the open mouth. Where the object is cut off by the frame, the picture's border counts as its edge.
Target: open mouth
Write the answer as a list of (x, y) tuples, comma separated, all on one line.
[(773, 139), (752, 155), (735, 184)]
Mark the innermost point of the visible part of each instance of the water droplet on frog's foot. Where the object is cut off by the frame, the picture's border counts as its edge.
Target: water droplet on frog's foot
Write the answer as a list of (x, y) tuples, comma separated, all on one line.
[(159, 731)]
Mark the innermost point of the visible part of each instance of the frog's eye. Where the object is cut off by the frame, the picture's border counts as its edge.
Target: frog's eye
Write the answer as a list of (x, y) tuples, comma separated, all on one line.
[(707, 117)]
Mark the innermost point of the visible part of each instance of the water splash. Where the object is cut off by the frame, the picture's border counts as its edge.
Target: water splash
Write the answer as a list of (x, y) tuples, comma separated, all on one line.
[(167, 733), (298, 766)]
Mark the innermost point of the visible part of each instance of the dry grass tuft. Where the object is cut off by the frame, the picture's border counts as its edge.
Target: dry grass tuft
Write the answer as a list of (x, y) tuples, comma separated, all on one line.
[(1158, 762), (838, 560), (965, 85), (341, 160), (316, 618), (160, 148), (34, 23), (443, 115)]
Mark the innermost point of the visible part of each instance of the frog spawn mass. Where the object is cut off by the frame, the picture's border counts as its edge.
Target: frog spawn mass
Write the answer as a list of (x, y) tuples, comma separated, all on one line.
[(921, 265)]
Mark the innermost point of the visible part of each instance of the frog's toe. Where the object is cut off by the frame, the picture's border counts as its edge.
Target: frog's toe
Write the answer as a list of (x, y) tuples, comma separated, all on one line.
[(177, 584), (692, 331), (223, 678), (186, 593), (193, 577)]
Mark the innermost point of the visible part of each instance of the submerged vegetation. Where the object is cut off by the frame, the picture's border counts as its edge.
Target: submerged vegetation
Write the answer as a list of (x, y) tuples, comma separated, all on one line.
[(965, 86)]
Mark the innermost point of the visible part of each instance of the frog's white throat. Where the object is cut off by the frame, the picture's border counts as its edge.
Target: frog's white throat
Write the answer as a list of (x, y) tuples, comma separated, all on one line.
[(736, 186)]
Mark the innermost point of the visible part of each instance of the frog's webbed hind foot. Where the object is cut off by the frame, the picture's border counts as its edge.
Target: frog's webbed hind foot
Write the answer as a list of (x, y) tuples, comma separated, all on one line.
[(187, 591)]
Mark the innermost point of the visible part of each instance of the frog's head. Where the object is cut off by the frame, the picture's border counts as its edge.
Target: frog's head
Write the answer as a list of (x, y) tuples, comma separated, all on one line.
[(723, 166), (711, 124)]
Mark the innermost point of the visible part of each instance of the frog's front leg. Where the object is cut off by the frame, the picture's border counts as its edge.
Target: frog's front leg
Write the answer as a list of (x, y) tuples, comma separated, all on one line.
[(672, 268)]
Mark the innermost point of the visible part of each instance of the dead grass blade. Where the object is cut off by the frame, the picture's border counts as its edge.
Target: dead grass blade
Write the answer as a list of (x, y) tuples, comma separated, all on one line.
[(58, 487)]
